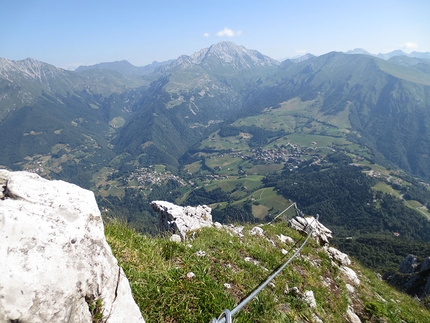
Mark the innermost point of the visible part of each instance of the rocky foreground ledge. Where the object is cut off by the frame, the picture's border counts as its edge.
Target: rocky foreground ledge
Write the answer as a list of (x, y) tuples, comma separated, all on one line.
[(182, 221), (56, 265)]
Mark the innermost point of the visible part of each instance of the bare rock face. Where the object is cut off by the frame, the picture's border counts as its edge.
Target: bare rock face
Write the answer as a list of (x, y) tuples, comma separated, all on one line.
[(305, 224), (409, 264), (56, 265), (413, 277), (180, 219)]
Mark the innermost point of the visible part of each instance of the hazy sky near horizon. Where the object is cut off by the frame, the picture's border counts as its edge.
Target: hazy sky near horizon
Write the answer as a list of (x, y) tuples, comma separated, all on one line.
[(71, 33)]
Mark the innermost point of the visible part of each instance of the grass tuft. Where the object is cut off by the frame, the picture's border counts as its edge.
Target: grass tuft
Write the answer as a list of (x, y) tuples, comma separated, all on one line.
[(228, 268)]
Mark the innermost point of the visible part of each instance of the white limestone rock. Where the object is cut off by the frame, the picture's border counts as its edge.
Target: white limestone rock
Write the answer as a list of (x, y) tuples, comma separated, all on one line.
[(316, 318), (309, 298), (256, 231), (180, 219), (235, 230), (175, 238), (350, 275), (352, 317), (340, 257), (191, 275), (285, 239), (350, 288), (54, 256), (305, 224), (218, 225)]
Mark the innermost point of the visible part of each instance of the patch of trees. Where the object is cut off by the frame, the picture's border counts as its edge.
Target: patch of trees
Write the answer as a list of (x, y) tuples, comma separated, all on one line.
[(133, 208), (202, 196), (382, 252), (228, 131), (260, 136), (343, 196), (234, 213), (417, 192)]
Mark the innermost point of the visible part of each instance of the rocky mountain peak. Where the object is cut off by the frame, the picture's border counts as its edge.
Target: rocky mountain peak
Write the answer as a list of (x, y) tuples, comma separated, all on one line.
[(240, 56), (358, 51), (226, 54), (29, 68), (303, 58)]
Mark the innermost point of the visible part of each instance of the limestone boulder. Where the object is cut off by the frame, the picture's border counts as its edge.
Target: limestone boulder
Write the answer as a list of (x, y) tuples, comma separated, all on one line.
[(341, 258), (352, 317), (305, 225), (285, 239), (350, 275), (182, 219), (56, 265)]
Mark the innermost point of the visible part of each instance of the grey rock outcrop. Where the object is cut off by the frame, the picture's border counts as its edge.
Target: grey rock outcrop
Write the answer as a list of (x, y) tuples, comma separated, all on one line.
[(305, 224), (56, 263), (413, 277), (182, 219), (409, 264)]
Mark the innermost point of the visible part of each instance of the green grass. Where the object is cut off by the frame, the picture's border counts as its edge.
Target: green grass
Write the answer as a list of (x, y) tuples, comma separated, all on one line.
[(263, 169), (248, 183), (306, 140), (160, 168), (404, 73), (117, 122), (224, 165), (422, 209), (385, 188), (157, 271)]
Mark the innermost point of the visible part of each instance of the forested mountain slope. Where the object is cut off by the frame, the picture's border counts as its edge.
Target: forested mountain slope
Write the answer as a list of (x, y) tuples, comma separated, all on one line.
[(387, 105)]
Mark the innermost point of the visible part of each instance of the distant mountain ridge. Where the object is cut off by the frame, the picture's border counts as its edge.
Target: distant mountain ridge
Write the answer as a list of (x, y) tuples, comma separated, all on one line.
[(194, 95), (125, 67), (22, 82), (389, 55)]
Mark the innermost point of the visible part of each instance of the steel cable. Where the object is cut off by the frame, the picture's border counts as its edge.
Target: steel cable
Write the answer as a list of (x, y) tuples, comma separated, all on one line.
[(226, 316)]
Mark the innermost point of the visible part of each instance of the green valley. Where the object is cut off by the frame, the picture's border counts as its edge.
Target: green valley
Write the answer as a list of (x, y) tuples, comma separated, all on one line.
[(345, 136)]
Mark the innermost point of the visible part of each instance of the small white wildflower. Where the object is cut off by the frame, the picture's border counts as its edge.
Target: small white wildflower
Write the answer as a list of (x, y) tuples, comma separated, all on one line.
[(227, 285), (201, 253)]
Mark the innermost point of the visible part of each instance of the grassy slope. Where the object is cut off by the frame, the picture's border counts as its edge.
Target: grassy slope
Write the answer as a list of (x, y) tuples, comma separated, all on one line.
[(157, 270)]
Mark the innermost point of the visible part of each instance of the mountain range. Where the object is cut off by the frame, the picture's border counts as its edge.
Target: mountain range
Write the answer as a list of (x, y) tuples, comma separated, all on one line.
[(158, 112), (125, 67), (346, 135)]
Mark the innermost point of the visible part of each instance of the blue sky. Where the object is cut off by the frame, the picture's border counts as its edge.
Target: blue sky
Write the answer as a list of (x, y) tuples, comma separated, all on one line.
[(72, 33)]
